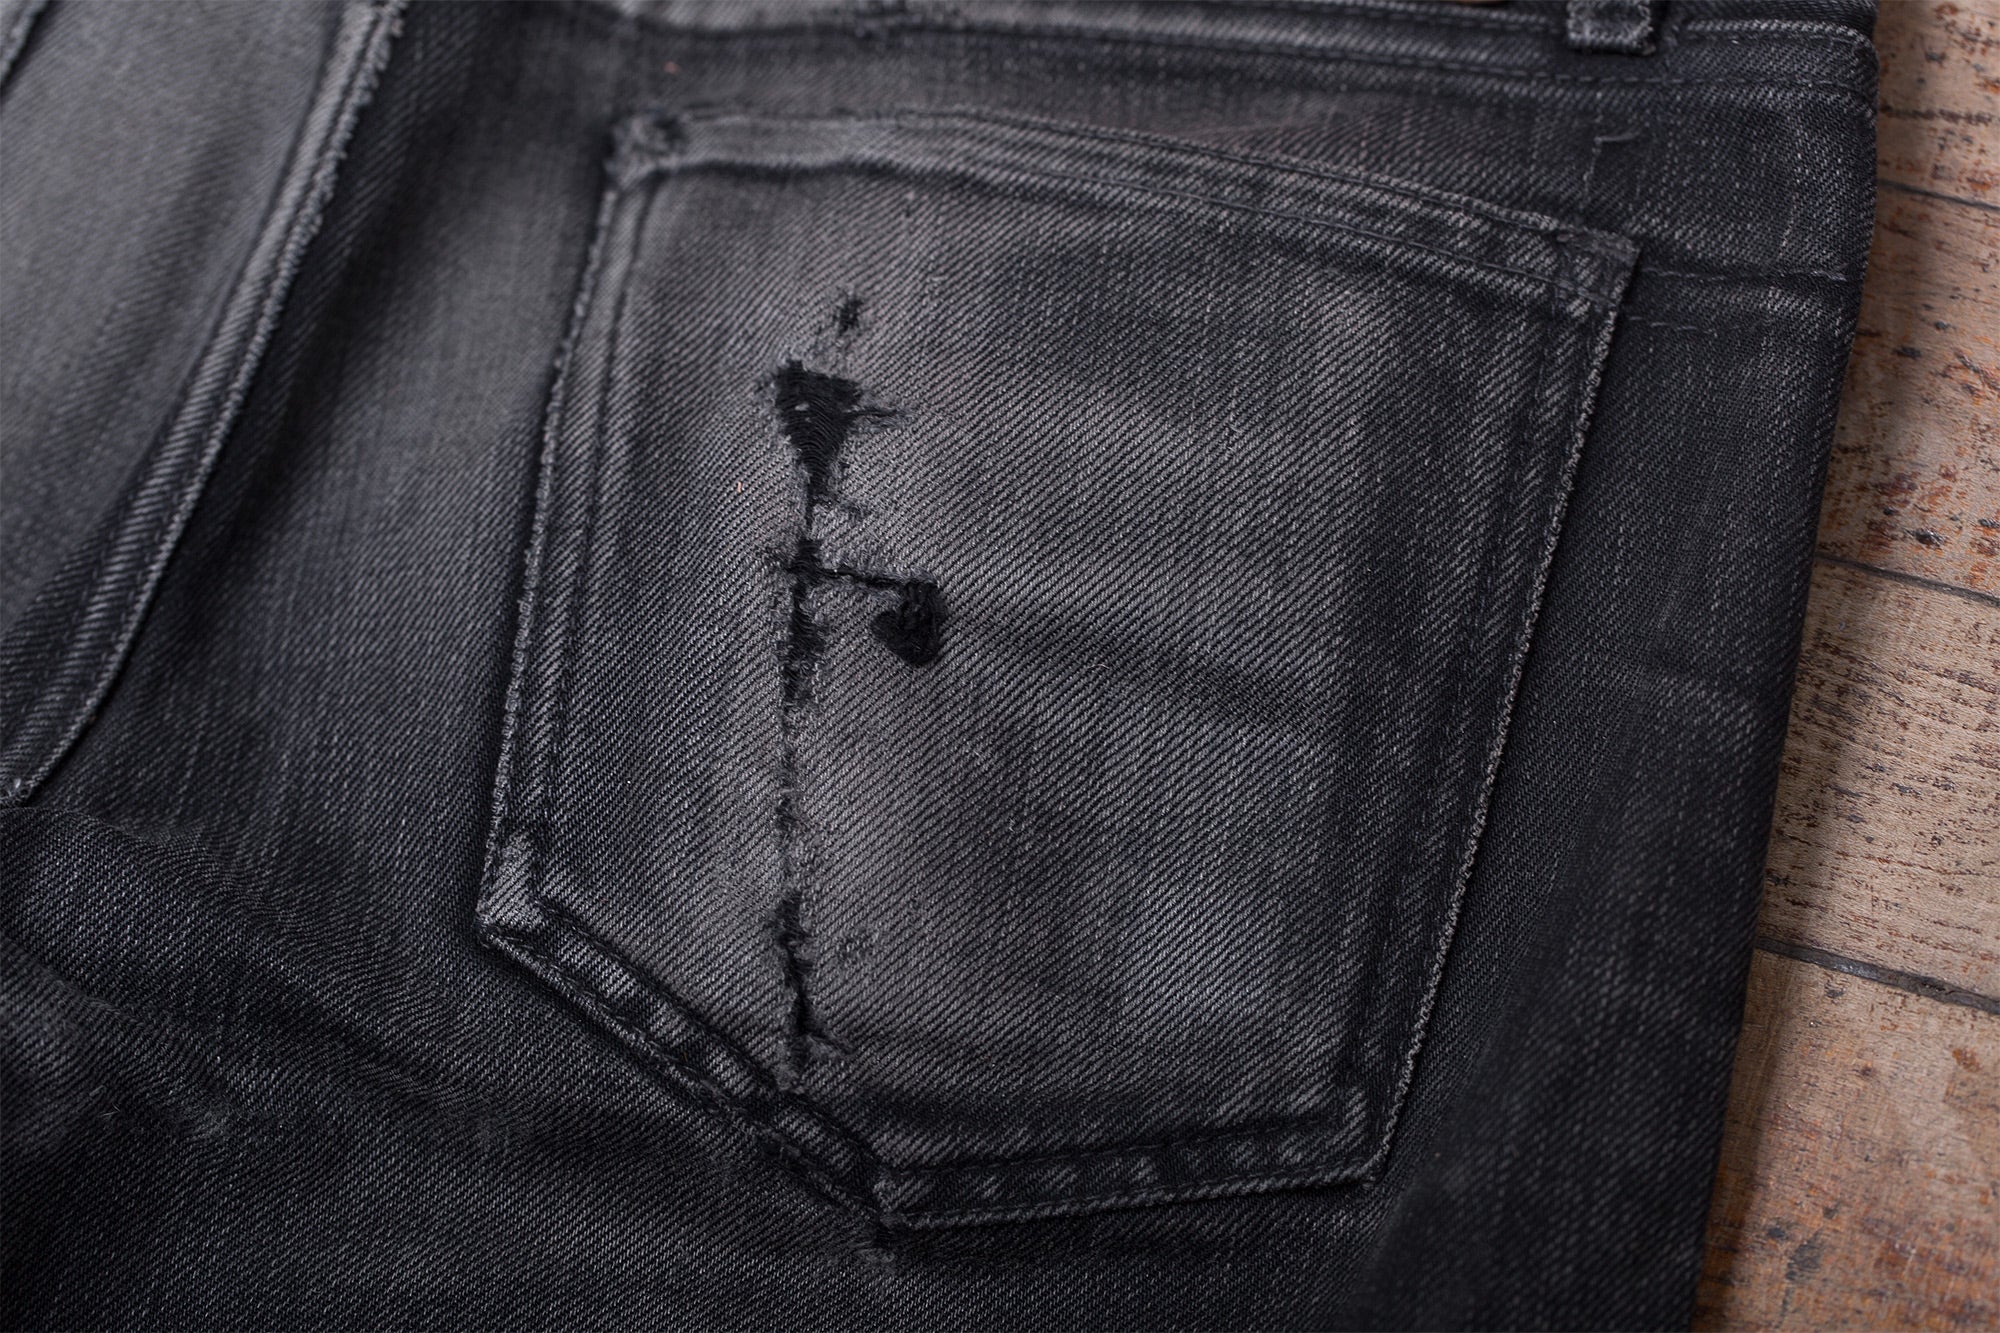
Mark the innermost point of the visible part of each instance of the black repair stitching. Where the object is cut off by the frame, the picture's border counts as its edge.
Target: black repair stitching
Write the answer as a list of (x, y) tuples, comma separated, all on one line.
[(539, 950), (558, 922), (753, 1110), (537, 947), (536, 944), (818, 413)]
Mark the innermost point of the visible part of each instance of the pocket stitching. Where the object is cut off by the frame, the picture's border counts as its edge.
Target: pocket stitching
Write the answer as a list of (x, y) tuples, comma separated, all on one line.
[(660, 161), (577, 595), (534, 939), (1520, 436)]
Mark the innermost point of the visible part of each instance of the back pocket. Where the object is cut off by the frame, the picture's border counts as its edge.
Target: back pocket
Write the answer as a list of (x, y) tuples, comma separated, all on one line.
[(1019, 631)]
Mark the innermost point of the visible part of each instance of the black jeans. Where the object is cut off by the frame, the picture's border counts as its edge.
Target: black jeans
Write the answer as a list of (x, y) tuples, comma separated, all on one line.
[(1135, 655)]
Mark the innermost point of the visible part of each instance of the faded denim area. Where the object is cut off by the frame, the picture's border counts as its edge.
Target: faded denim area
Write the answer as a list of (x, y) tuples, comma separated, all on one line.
[(1013, 672), (1059, 665)]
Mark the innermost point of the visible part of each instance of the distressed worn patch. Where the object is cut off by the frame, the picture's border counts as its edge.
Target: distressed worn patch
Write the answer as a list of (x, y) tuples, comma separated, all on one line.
[(1011, 670)]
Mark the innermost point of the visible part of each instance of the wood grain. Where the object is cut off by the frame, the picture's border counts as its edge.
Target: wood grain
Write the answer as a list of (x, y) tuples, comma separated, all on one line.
[(1886, 844), (1861, 1169), (1940, 80), (1914, 481), (1914, 484)]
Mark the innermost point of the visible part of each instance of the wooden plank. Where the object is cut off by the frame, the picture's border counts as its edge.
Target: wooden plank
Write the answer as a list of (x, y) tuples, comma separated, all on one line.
[(1914, 484), (1914, 481), (1886, 843), (1940, 96), (1860, 1184)]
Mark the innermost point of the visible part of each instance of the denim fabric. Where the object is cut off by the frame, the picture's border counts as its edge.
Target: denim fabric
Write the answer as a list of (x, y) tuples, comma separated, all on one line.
[(1081, 665)]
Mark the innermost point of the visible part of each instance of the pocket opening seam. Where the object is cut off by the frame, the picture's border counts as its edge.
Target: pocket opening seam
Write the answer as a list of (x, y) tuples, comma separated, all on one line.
[(664, 161)]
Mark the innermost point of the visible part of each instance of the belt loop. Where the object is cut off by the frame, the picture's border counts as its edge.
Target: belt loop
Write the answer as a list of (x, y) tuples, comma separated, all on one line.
[(1623, 26)]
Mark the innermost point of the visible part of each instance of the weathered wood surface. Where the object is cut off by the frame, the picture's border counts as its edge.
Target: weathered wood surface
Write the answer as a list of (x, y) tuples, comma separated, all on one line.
[(1915, 472), (1940, 75), (1860, 1178), (1886, 845), (1915, 480)]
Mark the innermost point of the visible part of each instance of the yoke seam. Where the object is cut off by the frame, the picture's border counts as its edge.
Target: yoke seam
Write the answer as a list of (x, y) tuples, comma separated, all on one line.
[(653, 28)]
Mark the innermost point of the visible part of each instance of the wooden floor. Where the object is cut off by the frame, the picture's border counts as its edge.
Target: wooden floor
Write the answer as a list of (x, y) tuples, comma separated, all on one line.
[(1860, 1181)]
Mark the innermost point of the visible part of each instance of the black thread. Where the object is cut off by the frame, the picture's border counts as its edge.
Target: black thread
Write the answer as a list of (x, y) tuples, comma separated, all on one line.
[(818, 414), (913, 629), (820, 419), (581, 990)]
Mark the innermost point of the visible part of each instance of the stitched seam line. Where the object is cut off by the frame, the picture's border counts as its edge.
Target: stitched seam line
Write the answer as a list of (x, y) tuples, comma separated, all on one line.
[(558, 921), (1217, 1187), (533, 603), (1766, 275), (1178, 1138), (1595, 355), (667, 166), (1528, 431), (1525, 224), (1552, 330), (1474, 210), (1398, 242), (137, 516), (547, 817), (575, 596), (561, 918), (653, 28), (1838, 40), (181, 481), (1519, 24), (1545, 361), (582, 990), (1461, 678), (1186, 1136)]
